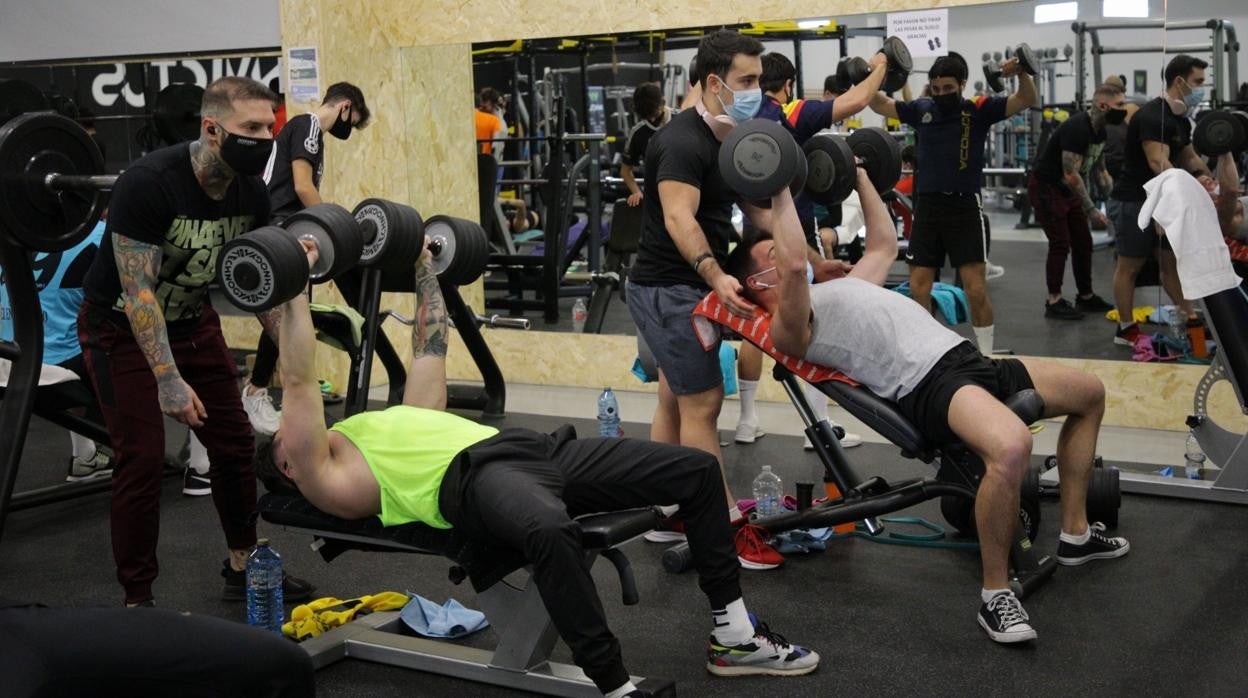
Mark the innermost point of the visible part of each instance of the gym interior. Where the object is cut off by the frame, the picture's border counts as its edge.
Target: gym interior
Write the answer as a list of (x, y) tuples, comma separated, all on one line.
[(542, 326)]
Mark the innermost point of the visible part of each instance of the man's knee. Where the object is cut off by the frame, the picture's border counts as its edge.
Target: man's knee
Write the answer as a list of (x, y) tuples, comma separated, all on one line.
[(551, 531), (704, 406), (1011, 455)]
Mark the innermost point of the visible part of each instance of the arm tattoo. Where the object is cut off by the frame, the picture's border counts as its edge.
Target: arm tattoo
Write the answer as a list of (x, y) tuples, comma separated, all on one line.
[(429, 334), (1071, 162), (271, 321), (136, 267)]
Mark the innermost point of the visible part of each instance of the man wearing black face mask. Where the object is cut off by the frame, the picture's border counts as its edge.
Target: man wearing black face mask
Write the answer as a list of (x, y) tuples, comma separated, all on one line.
[(153, 346), (294, 178), (948, 216), (1062, 204)]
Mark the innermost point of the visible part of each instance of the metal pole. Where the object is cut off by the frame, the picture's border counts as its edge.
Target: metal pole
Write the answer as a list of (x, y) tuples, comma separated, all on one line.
[(1080, 58), (1219, 65), (594, 196), (1097, 51), (1096, 58), (61, 182), (797, 64), (585, 87), (27, 350)]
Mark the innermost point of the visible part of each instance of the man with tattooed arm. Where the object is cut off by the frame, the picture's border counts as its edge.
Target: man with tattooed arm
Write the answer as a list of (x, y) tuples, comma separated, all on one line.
[(152, 342)]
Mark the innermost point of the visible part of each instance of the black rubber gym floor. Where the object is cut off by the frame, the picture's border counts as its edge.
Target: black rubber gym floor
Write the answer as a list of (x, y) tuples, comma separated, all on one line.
[(1167, 619)]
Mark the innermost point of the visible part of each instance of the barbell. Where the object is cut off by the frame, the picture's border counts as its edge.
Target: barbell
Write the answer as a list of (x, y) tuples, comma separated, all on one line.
[(1220, 131)]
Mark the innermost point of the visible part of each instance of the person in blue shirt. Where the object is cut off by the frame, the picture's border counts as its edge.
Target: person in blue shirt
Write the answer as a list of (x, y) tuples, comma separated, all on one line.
[(948, 215), (58, 278)]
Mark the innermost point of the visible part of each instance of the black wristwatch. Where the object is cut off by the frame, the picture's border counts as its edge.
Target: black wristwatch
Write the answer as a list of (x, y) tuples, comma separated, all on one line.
[(701, 258)]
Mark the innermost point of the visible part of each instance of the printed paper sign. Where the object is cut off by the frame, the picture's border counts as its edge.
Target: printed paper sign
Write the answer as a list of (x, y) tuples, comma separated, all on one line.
[(303, 79), (925, 32)]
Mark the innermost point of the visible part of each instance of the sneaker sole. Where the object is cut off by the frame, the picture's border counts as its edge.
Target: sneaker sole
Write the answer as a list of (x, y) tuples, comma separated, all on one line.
[(665, 537), (1006, 638), (196, 492), (748, 439), (1108, 555), (1122, 342), (756, 670), (92, 476), (746, 564)]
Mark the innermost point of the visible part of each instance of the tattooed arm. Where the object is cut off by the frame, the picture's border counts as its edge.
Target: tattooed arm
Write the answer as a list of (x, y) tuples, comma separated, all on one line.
[(1071, 164), (426, 373), (137, 263), (271, 321)]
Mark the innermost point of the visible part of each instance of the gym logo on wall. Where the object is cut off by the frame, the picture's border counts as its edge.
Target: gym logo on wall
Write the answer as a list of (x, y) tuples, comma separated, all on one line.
[(127, 81)]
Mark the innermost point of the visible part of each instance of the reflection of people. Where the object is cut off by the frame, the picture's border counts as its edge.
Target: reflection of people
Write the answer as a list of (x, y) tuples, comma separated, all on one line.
[(948, 215), (59, 277), (946, 387), (517, 490), (1158, 138), (1063, 206), (488, 124), (1230, 204), (153, 346), (652, 114)]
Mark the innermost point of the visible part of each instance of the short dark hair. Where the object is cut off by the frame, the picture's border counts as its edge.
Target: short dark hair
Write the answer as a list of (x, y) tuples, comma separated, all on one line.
[(833, 82), (1108, 90), (950, 66), (647, 99), (268, 473), (777, 70), (741, 263), (694, 77), (1181, 66), (341, 91), (220, 95), (717, 49), (487, 94)]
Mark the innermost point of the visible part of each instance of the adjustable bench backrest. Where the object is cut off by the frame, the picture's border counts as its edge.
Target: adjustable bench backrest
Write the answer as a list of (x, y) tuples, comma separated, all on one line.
[(1227, 312)]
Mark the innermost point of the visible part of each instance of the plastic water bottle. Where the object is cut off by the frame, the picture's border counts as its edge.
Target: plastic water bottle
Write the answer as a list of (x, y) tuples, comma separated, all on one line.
[(1193, 458), (1177, 322), (264, 587), (579, 313), (768, 494), (609, 414)]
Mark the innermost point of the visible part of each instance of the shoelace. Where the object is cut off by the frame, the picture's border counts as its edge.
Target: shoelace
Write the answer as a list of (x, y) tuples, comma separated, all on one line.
[(1009, 609), (754, 536), (776, 639), (1097, 530)]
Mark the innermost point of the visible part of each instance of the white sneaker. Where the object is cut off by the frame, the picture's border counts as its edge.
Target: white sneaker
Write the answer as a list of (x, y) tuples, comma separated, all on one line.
[(748, 433), (848, 441), (259, 406), (993, 271)]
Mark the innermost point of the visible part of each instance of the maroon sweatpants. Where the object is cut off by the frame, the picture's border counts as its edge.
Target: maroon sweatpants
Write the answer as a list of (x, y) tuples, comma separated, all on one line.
[(1060, 213), (126, 389)]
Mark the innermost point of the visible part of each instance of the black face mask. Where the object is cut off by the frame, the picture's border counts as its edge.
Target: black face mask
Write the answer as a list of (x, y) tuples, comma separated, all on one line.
[(1113, 117), (342, 127), (948, 102), (244, 154)]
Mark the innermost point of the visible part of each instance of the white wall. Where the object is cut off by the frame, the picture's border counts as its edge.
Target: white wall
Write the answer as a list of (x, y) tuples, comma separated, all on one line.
[(33, 30)]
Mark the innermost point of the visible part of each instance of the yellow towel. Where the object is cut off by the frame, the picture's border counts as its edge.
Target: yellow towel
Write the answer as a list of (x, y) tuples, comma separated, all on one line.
[(1137, 314), (321, 615)]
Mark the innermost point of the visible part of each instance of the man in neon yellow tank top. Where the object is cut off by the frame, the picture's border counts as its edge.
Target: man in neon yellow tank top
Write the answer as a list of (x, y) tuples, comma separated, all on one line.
[(517, 488)]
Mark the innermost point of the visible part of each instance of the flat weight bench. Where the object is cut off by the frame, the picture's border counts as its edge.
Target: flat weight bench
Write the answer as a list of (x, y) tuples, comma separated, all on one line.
[(526, 636)]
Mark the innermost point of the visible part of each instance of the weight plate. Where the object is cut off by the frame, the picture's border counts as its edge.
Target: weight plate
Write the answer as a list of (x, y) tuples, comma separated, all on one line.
[(992, 77), (19, 97), (898, 54), (1218, 132), (33, 146), (177, 112), (262, 269), (756, 160), (1027, 59), (880, 155), (829, 169), (337, 234), (460, 249)]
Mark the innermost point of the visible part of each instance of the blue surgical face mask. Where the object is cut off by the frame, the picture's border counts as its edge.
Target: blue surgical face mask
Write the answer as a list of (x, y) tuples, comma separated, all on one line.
[(810, 272), (1195, 95), (745, 103)]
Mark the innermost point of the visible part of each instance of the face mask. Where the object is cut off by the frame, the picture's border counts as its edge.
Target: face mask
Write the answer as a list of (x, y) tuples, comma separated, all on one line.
[(720, 124), (810, 272), (1114, 117), (948, 102), (745, 103), (342, 127), (1194, 98), (244, 154)]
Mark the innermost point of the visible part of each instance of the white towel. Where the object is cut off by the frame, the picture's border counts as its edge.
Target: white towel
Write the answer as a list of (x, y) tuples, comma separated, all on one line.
[(48, 374), (1184, 209)]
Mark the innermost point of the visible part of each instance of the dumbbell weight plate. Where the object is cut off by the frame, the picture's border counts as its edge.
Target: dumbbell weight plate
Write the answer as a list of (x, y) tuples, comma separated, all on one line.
[(1218, 132), (830, 169), (1026, 59), (460, 248), (899, 63), (262, 269), (1104, 496), (389, 234), (337, 234), (992, 78), (880, 154), (756, 160), (856, 69)]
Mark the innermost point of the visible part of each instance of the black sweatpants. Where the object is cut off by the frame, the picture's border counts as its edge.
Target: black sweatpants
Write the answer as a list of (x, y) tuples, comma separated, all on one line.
[(137, 652), (524, 488)]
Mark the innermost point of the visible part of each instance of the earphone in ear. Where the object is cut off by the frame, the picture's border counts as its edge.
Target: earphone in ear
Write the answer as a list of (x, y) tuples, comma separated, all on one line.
[(212, 130)]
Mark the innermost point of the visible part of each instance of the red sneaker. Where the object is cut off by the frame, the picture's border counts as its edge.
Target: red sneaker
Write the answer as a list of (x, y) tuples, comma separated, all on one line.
[(753, 550)]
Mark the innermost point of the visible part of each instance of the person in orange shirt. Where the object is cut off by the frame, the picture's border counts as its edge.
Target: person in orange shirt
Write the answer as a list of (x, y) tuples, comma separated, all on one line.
[(906, 184), (488, 124)]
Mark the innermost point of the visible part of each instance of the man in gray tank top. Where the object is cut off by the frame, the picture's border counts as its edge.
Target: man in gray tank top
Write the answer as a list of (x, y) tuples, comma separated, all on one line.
[(940, 382)]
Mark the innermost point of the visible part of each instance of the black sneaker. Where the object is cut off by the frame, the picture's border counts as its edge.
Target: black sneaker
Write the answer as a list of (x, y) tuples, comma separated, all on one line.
[(194, 484), (293, 588), (1061, 310), (1098, 547), (1093, 304), (1004, 619)]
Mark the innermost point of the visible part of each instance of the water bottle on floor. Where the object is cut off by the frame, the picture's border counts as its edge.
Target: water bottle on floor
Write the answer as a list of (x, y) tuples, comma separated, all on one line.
[(1193, 458), (579, 313), (264, 587), (768, 494), (609, 414)]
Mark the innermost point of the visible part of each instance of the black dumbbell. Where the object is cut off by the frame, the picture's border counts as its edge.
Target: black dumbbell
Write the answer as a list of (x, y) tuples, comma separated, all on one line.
[(992, 77), (759, 158), (833, 161), (394, 235), (899, 65), (1220, 131), (460, 249)]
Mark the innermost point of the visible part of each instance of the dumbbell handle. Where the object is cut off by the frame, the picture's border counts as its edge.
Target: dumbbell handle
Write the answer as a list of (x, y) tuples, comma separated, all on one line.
[(61, 182), (511, 323)]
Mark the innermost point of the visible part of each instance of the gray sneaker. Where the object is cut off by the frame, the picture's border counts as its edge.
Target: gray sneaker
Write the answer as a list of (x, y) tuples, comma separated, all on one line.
[(98, 465)]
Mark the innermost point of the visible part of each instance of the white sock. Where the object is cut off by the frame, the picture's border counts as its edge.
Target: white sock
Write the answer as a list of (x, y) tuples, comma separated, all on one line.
[(734, 513), (669, 510), (818, 401), (1124, 325), (983, 337), (198, 456), (732, 624), (748, 390), (622, 691), (83, 448), (987, 594), (1077, 540)]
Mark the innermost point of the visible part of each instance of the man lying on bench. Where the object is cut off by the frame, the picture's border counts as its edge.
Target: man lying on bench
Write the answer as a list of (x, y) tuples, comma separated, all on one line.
[(941, 383), (517, 488)]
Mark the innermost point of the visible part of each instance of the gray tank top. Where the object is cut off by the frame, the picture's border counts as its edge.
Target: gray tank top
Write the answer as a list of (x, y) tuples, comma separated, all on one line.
[(878, 337)]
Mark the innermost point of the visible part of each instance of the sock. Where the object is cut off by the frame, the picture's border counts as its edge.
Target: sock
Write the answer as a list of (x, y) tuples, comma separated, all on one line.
[(669, 510), (732, 624), (622, 691), (198, 460), (983, 337), (1124, 325), (818, 401), (735, 513), (748, 390), (986, 594), (1077, 539), (84, 448)]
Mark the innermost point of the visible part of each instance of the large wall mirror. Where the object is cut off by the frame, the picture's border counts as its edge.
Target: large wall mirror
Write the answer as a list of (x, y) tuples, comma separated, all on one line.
[(558, 207)]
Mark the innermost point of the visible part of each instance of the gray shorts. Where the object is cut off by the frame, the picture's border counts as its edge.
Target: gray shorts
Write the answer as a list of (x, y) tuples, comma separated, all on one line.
[(1129, 239), (664, 318)]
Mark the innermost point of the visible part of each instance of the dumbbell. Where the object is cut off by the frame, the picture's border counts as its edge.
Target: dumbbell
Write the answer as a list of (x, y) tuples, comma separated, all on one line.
[(759, 158), (395, 236), (1221, 131), (833, 161), (1027, 62), (899, 65)]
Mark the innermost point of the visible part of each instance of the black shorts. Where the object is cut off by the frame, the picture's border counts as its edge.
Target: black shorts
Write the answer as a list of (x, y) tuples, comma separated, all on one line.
[(927, 406), (947, 225)]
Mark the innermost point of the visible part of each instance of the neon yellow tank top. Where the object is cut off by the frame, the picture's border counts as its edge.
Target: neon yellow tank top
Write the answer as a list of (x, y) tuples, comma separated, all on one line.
[(409, 449)]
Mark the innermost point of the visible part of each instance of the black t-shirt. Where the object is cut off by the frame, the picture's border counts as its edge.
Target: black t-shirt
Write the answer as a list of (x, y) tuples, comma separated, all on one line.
[(950, 145), (639, 136), (1075, 135), (158, 200), (683, 151), (1115, 148), (1153, 122), (300, 139)]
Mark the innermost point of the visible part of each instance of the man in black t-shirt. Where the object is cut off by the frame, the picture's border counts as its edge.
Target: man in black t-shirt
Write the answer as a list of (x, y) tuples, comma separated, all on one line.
[(652, 115), (1060, 199), (294, 179), (153, 344), (1158, 137)]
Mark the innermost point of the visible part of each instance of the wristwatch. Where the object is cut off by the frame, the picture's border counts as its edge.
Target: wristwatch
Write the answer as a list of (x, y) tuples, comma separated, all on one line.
[(701, 258)]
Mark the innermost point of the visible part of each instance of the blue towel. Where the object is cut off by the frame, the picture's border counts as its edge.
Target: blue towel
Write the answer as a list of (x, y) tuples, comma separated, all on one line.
[(949, 300), (727, 365), (431, 620)]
